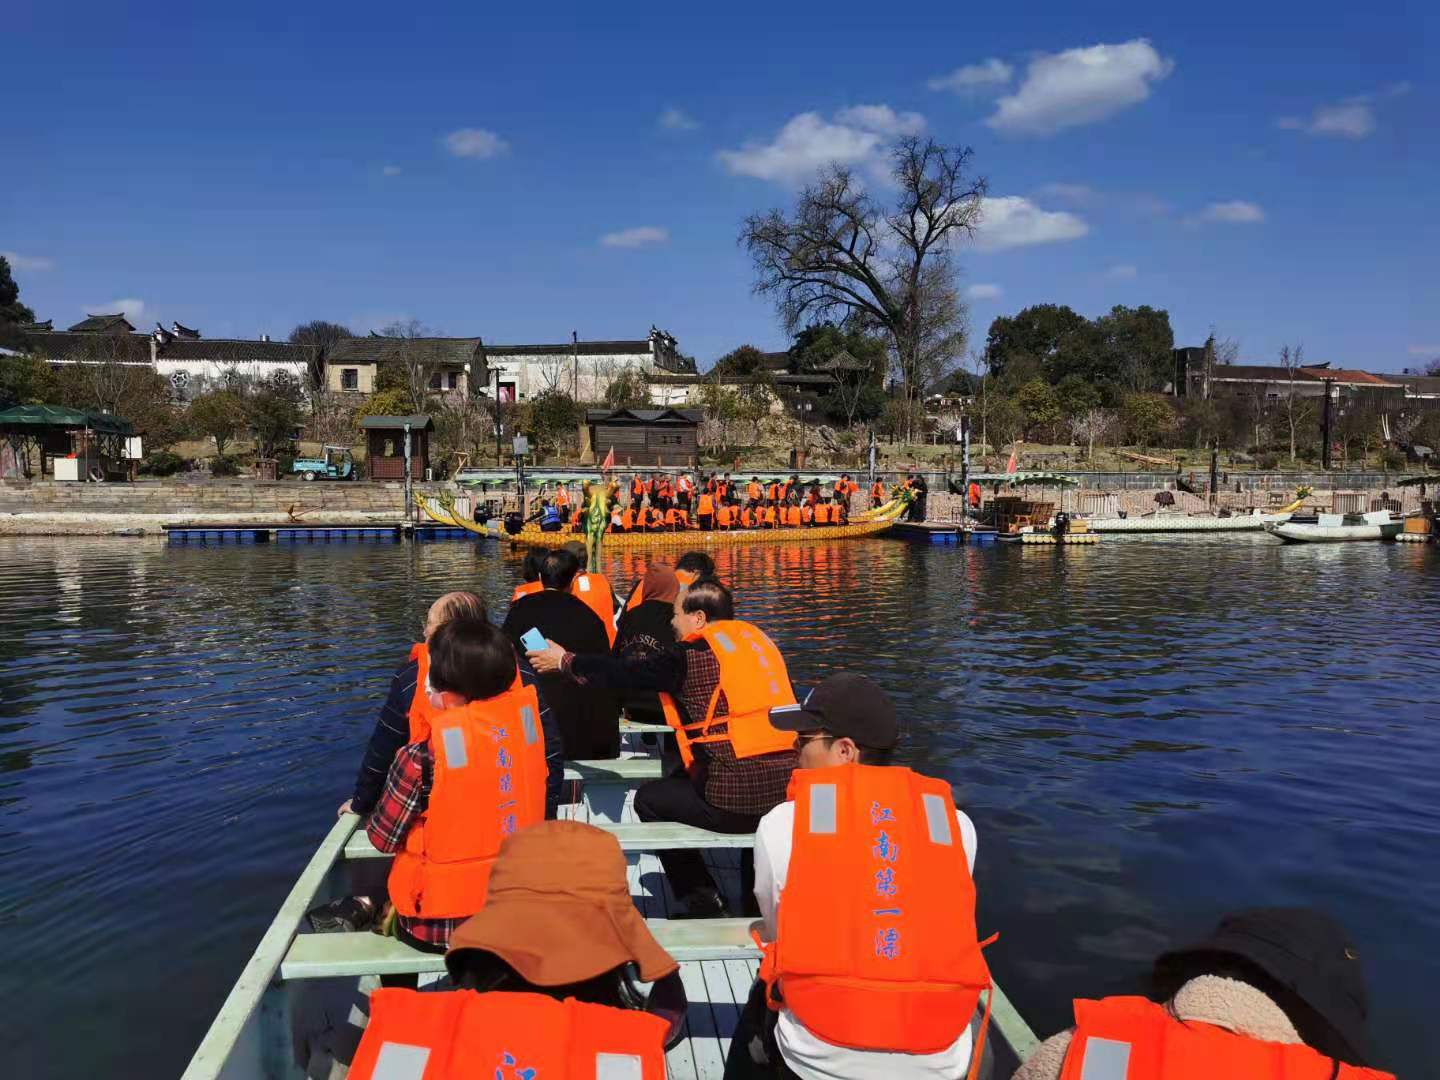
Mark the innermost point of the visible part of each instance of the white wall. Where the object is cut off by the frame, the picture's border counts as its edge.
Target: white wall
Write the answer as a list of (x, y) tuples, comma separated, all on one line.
[(534, 374)]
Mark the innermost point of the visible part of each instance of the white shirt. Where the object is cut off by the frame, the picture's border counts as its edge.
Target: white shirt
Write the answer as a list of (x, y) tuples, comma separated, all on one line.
[(808, 1055)]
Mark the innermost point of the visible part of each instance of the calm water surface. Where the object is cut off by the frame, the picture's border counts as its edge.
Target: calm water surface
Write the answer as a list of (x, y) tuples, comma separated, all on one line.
[(1146, 732)]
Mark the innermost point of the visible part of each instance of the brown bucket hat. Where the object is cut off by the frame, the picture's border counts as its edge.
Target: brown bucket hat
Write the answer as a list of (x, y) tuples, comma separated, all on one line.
[(559, 910)]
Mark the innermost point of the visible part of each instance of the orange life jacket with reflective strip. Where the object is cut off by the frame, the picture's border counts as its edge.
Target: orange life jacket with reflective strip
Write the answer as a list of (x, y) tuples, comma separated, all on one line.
[(594, 590), (792, 516), (489, 781), (460, 1035), (753, 679), (706, 504), (1132, 1038), (877, 493), (898, 967), (525, 588), (807, 514), (421, 711), (753, 490)]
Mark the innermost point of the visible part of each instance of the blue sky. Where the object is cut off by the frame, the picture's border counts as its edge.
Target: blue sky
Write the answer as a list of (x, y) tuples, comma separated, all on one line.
[(520, 173)]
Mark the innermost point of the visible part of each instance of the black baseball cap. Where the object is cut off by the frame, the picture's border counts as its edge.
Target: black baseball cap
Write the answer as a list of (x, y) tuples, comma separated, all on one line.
[(846, 706)]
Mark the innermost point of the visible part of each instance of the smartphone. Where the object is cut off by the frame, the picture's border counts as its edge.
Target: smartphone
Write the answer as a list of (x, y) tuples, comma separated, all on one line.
[(533, 640)]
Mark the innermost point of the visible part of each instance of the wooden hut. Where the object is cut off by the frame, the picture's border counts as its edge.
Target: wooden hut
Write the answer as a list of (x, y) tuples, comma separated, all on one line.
[(646, 437), (386, 440)]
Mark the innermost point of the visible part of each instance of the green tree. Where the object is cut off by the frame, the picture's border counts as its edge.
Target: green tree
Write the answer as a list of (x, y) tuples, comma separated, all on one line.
[(273, 413), (1076, 396), (1040, 331), (1037, 400), (1004, 420), (391, 401), (1136, 348), (745, 360), (628, 390), (553, 417), (27, 380), (220, 414), (1146, 417), (12, 311)]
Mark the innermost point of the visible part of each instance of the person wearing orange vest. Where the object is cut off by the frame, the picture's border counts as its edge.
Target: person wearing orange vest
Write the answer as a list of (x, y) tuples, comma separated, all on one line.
[(665, 492), (562, 498), (718, 685), (557, 976), (822, 513), (1272, 994), (973, 495), (476, 778), (654, 519), (770, 516), (726, 517), (877, 494), (807, 514), (792, 517), (888, 983), (753, 491), (705, 511), (688, 569), (593, 589), (684, 490), (637, 491)]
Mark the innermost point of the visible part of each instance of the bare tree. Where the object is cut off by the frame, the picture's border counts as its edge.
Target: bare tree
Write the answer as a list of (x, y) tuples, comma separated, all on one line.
[(841, 255), (1091, 425), (554, 371), (417, 365), (1292, 360), (316, 338)]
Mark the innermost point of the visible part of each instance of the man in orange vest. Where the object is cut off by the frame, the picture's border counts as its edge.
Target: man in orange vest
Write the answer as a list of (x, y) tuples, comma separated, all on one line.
[(896, 992), (1272, 993), (753, 491), (684, 491), (705, 511), (451, 798), (570, 980), (637, 491), (719, 683), (877, 494)]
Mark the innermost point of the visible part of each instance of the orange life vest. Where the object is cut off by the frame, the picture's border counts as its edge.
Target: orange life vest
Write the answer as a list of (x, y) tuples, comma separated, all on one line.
[(769, 515), (627, 519), (421, 711), (666, 491), (898, 967), (792, 516), (753, 679), (594, 589), (877, 493), (489, 781), (637, 490), (577, 517), (822, 513), (747, 518), (459, 1035), (725, 517), (706, 504), (525, 588), (656, 519), (807, 514), (685, 485), (562, 497), (973, 495), (1132, 1038), (753, 490), (774, 492)]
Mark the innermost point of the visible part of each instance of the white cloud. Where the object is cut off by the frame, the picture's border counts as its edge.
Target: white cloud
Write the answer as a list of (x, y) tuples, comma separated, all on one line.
[(1234, 212), (391, 170), (1010, 221), (1351, 119), (673, 119), (640, 236), (984, 291), (28, 262), (1080, 86), (130, 307), (1122, 272), (476, 143), (883, 119), (974, 78), (804, 145), (1424, 350)]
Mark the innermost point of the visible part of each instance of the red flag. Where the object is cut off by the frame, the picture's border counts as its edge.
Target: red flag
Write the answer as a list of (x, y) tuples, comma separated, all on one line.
[(1014, 462), (609, 462)]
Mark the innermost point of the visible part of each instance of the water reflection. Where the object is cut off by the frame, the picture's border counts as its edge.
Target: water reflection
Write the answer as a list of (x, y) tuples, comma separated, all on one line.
[(1146, 731)]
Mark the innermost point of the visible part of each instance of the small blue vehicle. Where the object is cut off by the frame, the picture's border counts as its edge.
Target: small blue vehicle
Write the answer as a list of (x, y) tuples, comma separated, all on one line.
[(336, 464)]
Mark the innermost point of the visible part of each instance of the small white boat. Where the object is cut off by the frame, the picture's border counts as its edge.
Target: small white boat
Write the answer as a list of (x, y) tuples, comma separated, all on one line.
[(1336, 528)]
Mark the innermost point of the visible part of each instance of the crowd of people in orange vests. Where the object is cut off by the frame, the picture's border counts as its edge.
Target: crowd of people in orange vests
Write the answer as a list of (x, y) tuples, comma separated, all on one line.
[(664, 503)]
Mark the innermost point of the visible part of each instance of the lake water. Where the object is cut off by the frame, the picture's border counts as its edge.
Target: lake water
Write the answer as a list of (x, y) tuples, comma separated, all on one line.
[(1147, 732)]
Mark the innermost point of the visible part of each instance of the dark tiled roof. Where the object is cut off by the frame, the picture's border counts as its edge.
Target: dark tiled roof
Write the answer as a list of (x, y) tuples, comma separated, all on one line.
[(584, 348), (417, 422), (231, 350), (645, 416), (68, 345), (1420, 384), (92, 324), (1254, 372), (385, 350)]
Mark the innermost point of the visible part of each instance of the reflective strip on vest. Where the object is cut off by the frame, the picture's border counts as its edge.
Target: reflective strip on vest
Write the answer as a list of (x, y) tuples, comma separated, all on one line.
[(454, 741), (724, 641), (527, 718), (822, 808), (619, 1067), (584, 585), (1105, 1059), (400, 1061), (938, 819)]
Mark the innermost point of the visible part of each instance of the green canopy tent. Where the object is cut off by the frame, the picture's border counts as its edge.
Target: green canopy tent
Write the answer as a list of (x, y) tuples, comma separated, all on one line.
[(54, 431), (1017, 479), (1427, 479)]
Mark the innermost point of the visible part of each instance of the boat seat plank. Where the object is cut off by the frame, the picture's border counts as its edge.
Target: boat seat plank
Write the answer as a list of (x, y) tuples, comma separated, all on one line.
[(639, 836), (349, 955), (635, 727), (615, 771), (701, 1028)]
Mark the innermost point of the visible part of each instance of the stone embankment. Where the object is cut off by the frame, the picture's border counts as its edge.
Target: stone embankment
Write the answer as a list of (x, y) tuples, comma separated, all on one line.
[(47, 508)]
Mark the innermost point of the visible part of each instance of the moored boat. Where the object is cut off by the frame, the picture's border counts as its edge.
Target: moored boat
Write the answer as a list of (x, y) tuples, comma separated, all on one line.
[(1338, 528)]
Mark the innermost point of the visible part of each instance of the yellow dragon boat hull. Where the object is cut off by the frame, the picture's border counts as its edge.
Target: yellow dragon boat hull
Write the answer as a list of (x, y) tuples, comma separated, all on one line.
[(699, 538)]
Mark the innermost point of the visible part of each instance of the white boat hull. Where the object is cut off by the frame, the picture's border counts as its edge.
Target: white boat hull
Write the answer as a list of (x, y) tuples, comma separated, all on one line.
[(1332, 534), (1166, 523)]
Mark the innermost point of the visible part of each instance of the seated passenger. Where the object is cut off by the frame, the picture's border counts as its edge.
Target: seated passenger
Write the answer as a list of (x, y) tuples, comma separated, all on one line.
[(1273, 992), (558, 976), (887, 986), (478, 776), (529, 574)]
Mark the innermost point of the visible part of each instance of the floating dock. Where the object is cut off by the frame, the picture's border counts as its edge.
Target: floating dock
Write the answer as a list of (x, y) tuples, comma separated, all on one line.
[(926, 532), (298, 532), (1050, 538)]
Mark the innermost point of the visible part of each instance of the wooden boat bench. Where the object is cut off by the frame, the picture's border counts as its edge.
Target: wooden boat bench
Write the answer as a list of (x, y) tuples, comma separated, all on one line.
[(328, 956), (633, 836), (629, 772)]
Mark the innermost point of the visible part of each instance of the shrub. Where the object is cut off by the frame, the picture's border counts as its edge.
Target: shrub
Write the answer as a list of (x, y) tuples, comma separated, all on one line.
[(161, 463), (1392, 460), (224, 466), (1268, 461)]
